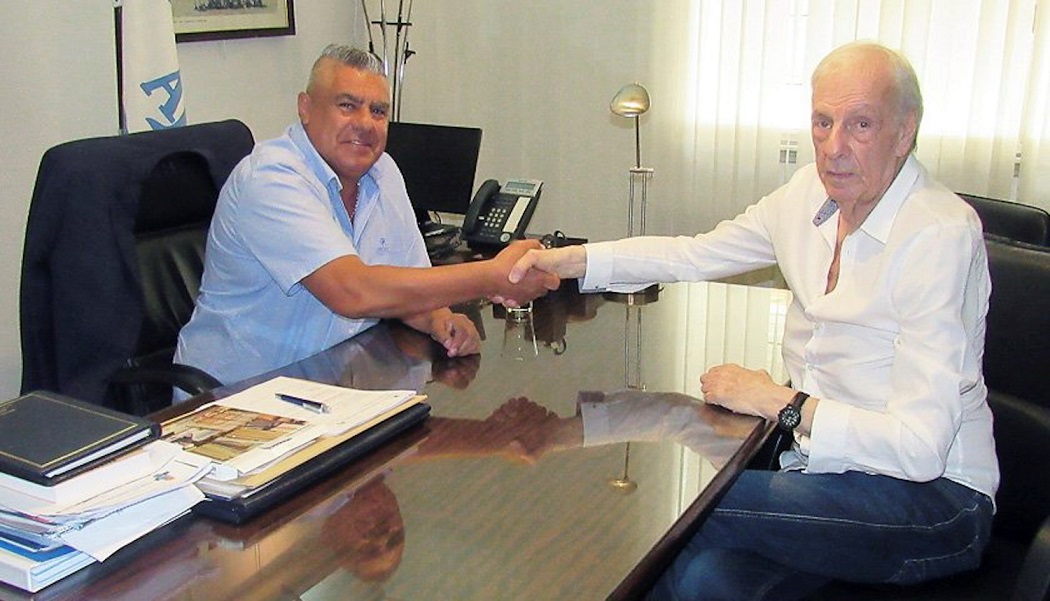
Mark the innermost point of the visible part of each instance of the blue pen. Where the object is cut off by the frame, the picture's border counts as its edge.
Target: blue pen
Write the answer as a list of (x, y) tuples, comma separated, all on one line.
[(315, 406)]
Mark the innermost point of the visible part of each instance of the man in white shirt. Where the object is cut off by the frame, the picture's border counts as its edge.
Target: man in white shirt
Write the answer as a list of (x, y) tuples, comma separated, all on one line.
[(893, 471)]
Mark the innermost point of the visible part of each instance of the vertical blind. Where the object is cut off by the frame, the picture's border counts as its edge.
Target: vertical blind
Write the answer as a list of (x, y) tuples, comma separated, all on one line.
[(738, 76)]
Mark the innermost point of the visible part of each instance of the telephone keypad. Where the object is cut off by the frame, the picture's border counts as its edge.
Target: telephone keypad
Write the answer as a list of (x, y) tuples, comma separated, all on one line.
[(498, 215), (493, 222)]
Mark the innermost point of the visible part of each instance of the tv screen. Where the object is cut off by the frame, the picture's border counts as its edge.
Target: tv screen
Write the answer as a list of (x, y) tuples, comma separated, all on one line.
[(438, 163)]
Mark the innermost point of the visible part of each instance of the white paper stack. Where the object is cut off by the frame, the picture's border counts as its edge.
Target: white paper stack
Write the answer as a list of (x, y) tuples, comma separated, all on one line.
[(251, 430), (49, 532)]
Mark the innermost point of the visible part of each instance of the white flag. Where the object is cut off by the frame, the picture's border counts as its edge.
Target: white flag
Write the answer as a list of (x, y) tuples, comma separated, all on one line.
[(153, 96)]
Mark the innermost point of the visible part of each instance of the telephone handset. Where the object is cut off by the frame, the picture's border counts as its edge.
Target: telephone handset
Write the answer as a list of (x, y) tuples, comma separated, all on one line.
[(498, 215)]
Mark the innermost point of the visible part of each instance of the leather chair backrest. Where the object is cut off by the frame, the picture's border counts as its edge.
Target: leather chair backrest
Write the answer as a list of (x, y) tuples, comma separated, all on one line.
[(1013, 220), (174, 212), (82, 313), (1016, 366)]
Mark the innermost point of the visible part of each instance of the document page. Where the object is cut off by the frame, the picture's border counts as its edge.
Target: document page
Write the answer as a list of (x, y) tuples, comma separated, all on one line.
[(252, 429), (336, 408)]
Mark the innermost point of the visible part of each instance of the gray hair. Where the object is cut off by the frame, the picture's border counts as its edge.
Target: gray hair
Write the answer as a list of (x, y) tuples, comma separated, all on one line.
[(905, 82), (349, 56)]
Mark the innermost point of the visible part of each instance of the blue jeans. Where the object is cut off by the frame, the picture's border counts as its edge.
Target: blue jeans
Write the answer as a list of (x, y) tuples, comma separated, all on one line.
[(782, 535)]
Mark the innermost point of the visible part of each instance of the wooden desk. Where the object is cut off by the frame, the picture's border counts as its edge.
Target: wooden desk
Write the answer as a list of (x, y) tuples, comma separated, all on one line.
[(473, 514)]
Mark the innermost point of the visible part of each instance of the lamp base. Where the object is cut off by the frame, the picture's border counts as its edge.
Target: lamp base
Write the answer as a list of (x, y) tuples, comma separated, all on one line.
[(623, 485), (644, 296)]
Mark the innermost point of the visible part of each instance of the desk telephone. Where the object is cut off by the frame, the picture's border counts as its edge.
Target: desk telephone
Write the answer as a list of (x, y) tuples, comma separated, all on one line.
[(498, 215)]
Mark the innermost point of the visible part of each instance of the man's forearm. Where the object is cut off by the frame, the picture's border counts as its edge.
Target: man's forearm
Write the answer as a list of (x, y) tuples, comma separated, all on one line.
[(423, 322), (349, 287), (358, 290)]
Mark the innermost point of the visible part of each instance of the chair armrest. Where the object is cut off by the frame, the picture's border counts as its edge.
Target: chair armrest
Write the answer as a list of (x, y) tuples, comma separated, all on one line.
[(1033, 582), (185, 377)]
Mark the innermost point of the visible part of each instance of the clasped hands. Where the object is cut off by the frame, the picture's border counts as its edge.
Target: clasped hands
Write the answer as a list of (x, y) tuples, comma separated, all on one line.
[(529, 271), (525, 431)]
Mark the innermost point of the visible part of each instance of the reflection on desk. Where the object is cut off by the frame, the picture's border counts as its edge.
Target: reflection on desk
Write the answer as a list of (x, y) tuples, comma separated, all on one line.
[(504, 492)]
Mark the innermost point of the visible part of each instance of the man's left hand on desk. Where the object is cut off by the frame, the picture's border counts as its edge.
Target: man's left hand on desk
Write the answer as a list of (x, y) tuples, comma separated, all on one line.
[(742, 390), (456, 332)]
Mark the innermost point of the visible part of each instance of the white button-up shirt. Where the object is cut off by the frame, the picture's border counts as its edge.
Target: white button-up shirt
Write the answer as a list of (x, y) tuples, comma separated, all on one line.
[(893, 352)]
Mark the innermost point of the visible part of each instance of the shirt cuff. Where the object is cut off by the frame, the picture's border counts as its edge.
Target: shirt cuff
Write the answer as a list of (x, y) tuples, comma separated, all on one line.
[(595, 414), (829, 437), (599, 267)]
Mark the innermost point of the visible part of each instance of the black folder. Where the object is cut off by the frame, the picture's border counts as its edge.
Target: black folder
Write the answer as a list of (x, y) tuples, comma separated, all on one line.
[(241, 509), (49, 437)]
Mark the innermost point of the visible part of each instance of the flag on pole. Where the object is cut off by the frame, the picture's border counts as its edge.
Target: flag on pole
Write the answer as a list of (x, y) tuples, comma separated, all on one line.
[(152, 85)]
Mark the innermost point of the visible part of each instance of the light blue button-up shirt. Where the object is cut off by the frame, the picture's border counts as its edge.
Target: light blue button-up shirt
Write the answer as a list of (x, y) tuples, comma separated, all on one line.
[(279, 218)]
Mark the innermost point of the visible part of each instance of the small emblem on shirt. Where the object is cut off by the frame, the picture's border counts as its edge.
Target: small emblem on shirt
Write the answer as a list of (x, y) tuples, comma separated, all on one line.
[(825, 212)]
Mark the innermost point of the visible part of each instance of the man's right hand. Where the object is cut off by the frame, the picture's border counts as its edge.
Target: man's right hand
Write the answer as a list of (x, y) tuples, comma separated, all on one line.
[(531, 284), (565, 262)]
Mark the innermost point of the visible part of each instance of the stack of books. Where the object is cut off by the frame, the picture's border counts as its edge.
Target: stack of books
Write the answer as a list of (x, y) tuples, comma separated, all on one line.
[(78, 482), (273, 439)]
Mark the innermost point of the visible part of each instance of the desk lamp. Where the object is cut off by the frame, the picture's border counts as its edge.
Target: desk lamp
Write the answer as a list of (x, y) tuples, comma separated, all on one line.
[(631, 101)]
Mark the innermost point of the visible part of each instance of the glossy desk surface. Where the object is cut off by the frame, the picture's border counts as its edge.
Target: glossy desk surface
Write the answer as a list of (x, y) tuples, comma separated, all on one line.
[(473, 505)]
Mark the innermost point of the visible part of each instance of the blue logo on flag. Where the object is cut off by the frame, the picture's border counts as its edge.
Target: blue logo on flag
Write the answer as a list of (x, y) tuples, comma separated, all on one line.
[(171, 86)]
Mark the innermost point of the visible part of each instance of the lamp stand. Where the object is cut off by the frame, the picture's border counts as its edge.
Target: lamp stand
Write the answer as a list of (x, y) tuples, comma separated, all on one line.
[(632, 380), (639, 185), (638, 192), (632, 369)]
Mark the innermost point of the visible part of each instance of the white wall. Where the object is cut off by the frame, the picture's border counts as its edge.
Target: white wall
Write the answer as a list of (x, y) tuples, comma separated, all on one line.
[(59, 78), (537, 77), (512, 68)]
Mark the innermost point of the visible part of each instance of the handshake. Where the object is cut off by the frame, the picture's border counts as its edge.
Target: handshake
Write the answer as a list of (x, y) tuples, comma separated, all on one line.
[(525, 270)]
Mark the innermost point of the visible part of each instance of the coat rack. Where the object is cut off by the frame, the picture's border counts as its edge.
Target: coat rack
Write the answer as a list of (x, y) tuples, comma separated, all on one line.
[(393, 65)]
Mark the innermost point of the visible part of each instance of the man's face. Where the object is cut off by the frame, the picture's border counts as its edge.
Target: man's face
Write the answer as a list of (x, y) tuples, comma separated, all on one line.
[(859, 136), (345, 115)]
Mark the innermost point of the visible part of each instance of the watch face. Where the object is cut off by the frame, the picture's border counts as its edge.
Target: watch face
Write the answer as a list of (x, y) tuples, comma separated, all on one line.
[(789, 417)]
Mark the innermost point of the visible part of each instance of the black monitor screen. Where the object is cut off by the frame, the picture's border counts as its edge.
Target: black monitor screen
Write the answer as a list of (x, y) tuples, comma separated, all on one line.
[(438, 163)]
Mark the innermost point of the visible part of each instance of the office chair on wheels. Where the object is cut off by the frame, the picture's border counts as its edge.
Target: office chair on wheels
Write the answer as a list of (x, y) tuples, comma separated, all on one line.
[(113, 257)]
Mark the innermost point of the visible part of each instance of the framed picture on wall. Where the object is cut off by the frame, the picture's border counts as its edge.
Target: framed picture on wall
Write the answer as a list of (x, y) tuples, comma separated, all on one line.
[(200, 20)]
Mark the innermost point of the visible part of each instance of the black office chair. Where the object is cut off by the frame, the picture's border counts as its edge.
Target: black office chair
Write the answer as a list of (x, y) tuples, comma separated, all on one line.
[(1013, 220), (112, 262), (1017, 354)]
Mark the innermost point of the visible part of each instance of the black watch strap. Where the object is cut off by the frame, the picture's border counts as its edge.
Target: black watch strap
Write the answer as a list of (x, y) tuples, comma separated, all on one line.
[(791, 415)]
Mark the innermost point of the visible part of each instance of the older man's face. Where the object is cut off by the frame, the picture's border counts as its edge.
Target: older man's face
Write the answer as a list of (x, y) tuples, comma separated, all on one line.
[(859, 136), (345, 116)]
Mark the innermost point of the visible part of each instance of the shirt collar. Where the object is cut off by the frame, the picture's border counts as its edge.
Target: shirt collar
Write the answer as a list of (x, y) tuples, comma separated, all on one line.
[(322, 170), (880, 220)]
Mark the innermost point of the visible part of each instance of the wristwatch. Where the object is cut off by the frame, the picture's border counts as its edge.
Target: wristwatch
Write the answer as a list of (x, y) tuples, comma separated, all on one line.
[(791, 415)]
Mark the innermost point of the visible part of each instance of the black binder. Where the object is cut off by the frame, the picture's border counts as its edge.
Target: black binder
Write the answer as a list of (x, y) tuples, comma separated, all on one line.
[(49, 437), (244, 508)]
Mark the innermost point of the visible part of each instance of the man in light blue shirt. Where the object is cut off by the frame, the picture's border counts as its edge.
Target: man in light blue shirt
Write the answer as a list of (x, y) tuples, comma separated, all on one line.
[(314, 240)]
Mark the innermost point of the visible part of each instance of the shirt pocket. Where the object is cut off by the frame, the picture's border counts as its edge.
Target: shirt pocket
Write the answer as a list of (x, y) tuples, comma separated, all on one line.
[(387, 245)]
